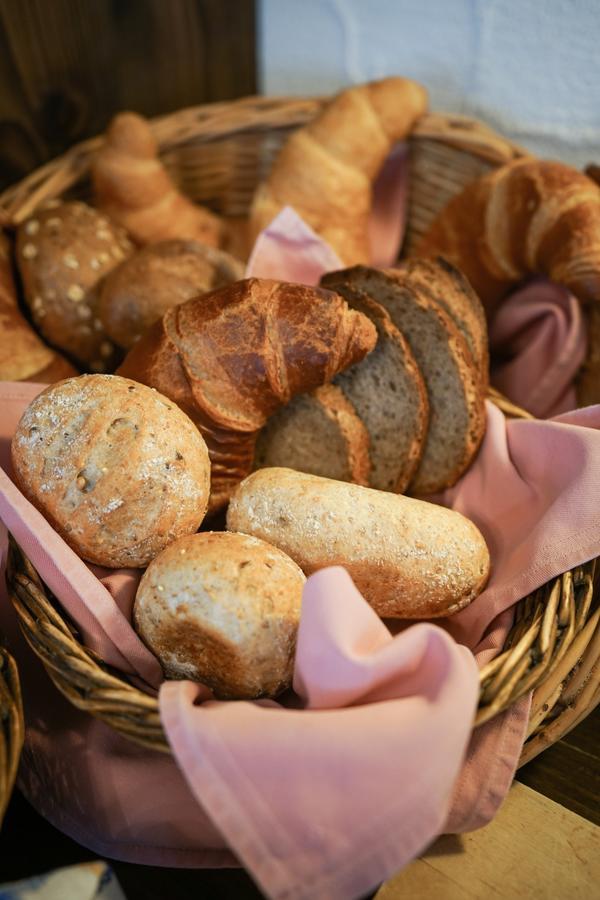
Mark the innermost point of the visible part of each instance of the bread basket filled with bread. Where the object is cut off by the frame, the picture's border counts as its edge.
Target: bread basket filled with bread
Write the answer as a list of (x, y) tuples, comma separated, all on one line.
[(252, 400)]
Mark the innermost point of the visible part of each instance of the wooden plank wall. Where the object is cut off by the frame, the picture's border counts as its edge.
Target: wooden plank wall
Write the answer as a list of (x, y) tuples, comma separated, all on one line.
[(67, 65)]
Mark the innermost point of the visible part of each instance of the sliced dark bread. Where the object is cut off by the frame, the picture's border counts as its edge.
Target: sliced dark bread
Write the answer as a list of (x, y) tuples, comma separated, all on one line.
[(454, 386), (319, 433), (388, 393), (451, 290)]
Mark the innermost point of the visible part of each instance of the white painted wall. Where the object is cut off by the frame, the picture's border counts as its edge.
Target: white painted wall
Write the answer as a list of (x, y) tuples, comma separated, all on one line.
[(529, 68)]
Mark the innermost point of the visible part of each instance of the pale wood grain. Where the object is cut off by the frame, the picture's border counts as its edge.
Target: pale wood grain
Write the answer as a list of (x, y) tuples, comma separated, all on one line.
[(534, 849)]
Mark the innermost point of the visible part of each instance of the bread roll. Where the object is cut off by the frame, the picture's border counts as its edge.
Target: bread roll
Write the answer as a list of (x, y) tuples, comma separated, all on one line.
[(222, 609), (23, 355), (410, 559), (138, 292), (63, 252), (116, 468)]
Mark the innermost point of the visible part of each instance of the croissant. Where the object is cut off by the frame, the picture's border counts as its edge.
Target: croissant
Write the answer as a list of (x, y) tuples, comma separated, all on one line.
[(23, 355), (231, 358), (528, 217), (133, 188), (325, 170)]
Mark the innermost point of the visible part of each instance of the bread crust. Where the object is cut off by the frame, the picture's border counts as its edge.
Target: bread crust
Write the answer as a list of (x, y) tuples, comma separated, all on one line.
[(63, 252), (231, 358), (23, 355), (117, 469), (223, 609), (409, 558)]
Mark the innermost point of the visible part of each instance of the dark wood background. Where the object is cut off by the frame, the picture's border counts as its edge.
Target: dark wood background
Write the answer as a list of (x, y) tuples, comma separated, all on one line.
[(66, 66)]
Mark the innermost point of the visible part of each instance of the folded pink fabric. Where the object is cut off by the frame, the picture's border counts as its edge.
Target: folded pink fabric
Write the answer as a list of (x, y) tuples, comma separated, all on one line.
[(538, 339)]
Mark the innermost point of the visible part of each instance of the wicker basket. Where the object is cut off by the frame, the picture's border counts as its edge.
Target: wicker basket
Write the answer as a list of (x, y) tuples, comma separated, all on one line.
[(217, 154), (11, 726)]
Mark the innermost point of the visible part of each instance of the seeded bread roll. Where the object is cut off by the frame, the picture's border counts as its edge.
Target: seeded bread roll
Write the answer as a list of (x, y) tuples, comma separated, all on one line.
[(222, 609), (139, 292), (116, 468), (319, 433), (410, 559), (63, 252), (23, 355)]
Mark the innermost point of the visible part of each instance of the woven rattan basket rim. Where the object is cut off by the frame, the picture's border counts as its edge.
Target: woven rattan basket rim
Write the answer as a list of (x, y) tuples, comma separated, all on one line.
[(12, 726)]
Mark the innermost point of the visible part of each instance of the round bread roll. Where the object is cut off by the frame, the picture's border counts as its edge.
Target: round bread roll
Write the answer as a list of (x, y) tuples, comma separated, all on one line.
[(63, 252), (116, 468), (223, 609), (139, 292), (410, 559)]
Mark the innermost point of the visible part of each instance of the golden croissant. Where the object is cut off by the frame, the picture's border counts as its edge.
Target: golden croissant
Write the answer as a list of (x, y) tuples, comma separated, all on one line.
[(528, 217), (325, 170), (133, 188)]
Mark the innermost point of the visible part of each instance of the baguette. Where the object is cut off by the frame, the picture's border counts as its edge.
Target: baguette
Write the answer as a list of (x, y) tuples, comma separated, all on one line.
[(410, 559)]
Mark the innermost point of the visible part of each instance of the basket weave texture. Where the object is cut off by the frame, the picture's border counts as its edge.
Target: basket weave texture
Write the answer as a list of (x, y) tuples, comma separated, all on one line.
[(217, 154), (11, 726)]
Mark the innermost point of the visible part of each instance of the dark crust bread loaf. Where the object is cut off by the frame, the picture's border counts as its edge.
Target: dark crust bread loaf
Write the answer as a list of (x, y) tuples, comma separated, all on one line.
[(117, 469), (222, 609), (23, 355), (63, 252), (320, 433), (454, 387), (409, 558), (142, 288), (389, 394), (231, 358)]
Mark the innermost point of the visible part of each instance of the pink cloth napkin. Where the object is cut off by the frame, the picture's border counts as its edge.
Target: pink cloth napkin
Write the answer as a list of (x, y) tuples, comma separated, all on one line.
[(538, 343)]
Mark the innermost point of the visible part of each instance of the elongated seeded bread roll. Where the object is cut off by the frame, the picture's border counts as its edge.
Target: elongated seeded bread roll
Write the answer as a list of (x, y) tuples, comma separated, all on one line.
[(319, 433), (410, 559)]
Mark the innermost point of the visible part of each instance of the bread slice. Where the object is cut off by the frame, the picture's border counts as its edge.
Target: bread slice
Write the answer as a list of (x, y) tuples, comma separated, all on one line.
[(318, 433), (388, 393), (454, 386), (451, 290)]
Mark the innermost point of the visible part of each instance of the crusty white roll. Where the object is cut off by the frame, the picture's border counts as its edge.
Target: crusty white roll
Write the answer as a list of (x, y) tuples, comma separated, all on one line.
[(410, 559), (222, 609), (116, 468)]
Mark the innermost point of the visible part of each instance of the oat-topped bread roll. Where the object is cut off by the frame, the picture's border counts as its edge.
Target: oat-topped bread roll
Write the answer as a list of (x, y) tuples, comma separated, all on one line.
[(388, 392), (222, 609), (23, 355), (133, 187), (63, 252), (410, 559), (325, 170), (231, 358), (455, 389), (139, 291), (320, 433), (116, 468), (445, 284)]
